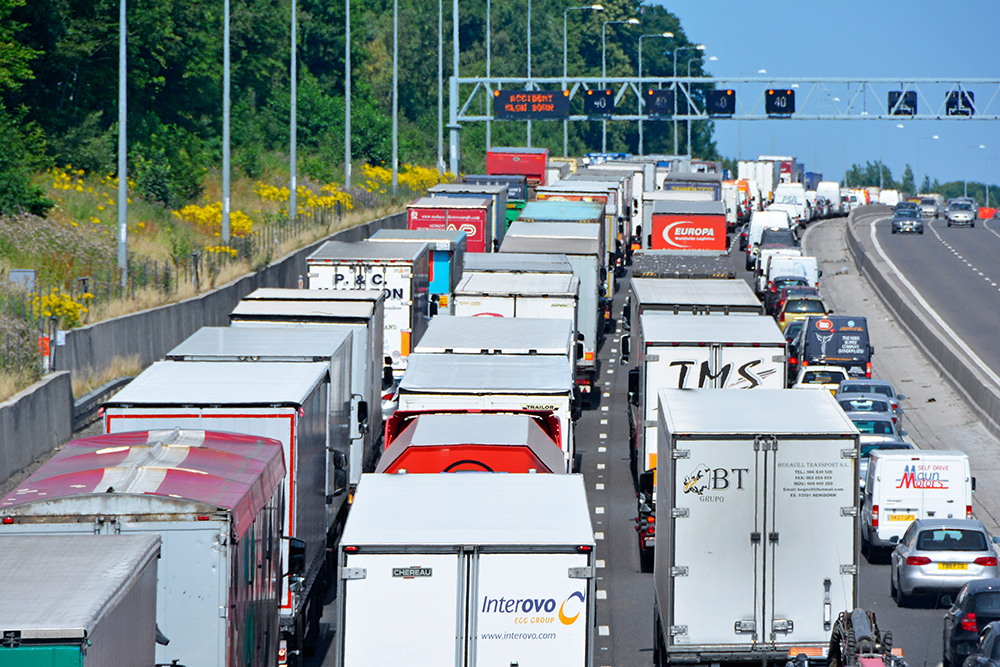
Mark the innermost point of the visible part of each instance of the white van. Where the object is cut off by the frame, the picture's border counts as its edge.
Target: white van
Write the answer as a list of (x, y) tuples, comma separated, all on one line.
[(889, 197), (759, 221), (787, 265), (903, 486), (794, 194), (831, 191)]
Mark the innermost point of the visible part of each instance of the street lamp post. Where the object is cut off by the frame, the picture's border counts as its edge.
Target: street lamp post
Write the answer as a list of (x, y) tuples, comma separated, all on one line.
[(918, 154), (881, 153), (965, 176), (641, 87), (395, 96), (696, 47), (347, 96), (596, 8), (604, 72), (122, 148)]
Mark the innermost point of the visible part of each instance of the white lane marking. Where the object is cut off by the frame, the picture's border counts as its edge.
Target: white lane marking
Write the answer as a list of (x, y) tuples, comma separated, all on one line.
[(937, 318), (598, 536), (599, 563), (600, 466), (601, 450), (607, 395), (598, 510), (611, 371), (602, 594), (603, 630), (604, 408), (604, 436), (613, 350), (607, 383), (604, 421), (599, 487)]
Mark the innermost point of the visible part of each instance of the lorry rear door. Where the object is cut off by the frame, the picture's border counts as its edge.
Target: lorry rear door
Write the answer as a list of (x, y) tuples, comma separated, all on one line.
[(809, 539), (414, 598), (668, 368), (547, 308), (718, 525), (749, 367), (485, 306), (531, 609)]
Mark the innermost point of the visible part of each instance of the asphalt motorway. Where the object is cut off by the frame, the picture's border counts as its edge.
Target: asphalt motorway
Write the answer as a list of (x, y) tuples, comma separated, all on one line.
[(957, 271)]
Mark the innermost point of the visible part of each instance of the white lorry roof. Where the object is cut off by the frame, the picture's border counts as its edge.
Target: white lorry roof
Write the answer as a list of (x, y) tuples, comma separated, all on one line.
[(362, 251), (694, 292), (306, 309), (493, 335), (437, 239), (209, 383), (571, 238), (262, 344), (62, 586), (466, 373), (761, 411), (516, 262), (469, 509), (547, 284), (665, 327), (285, 294)]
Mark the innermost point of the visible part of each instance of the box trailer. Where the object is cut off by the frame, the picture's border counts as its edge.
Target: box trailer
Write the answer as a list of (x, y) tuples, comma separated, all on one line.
[(402, 270), (506, 336), (78, 600), (286, 344), (615, 229), (467, 570), (516, 262), (541, 386), (789, 171), (574, 211), (694, 186), (690, 297), (472, 214), (359, 312), (687, 225), (287, 401), (470, 442), (447, 256), (759, 491), (214, 499), (697, 264), (583, 245), (496, 192), (528, 162), (685, 352)]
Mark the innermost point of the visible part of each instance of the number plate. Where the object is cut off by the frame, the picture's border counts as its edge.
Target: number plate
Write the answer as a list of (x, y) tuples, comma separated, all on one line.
[(902, 517), (953, 566)]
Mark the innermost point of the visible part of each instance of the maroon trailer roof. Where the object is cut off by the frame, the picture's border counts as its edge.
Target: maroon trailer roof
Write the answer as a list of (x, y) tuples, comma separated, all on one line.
[(232, 471)]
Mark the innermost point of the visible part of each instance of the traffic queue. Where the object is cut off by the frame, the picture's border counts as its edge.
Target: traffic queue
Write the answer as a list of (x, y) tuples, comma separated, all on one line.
[(264, 455)]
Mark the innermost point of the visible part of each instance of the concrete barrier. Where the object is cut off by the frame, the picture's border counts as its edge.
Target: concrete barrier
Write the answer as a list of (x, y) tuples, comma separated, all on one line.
[(979, 391), (40, 418), (35, 421)]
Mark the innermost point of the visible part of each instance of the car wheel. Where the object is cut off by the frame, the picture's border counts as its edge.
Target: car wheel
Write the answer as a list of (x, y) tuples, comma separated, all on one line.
[(892, 587), (921, 232), (949, 223), (972, 224)]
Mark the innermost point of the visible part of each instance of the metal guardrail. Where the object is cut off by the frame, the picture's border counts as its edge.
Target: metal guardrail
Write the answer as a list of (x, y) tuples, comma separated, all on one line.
[(85, 409)]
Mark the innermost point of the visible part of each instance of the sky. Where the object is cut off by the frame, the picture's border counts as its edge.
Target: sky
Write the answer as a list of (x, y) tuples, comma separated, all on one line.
[(859, 38)]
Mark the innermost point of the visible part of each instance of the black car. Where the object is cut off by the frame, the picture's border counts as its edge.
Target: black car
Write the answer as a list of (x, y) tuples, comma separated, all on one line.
[(976, 606), (987, 651), (773, 292)]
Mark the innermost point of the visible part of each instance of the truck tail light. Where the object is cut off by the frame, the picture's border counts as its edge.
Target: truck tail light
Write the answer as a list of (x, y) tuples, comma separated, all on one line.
[(868, 370), (969, 622), (793, 361), (874, 516), (782, 318), (651, 530), (918, 560), (8, 520), (968, 512), (988, 561), (283, 652)]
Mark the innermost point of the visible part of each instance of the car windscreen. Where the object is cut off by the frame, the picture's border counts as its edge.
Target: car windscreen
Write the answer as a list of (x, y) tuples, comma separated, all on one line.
[(864, 405), (987, 602), (951, 539), (883, 389), (804, 306), (961, 207), (790, 282), (874, 426), (778, 236), (821, 377), (866, 450), (927, 202)]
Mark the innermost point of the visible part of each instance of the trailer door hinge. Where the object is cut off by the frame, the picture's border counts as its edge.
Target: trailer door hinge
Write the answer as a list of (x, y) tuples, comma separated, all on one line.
[(679, 512), (646, 423), (848, 511), (352, 573), (678, 630), (652, 357), (782, 625), (223, 611), (849, 569), (779, 359), (581, 572), (745, 627), (681, 454), (772, 537), (680, 571), (848, 453), (755, 538)]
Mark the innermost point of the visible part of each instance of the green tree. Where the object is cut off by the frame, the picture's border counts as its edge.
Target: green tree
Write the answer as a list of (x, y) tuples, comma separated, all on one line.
[(907, 184)]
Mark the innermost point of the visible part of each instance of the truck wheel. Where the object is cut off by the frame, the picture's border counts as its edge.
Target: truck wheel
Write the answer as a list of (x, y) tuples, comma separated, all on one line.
[(577, 462), (656, 638)]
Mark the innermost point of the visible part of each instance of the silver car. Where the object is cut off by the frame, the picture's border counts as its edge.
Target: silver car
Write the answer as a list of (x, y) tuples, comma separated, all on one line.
[(960, 213), (940, 555), (929, 208), (870, 402), (865, 386), (875, 427)]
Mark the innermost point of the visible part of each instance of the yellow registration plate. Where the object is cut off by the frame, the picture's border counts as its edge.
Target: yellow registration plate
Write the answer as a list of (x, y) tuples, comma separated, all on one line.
[(953, 566), (902, 517)]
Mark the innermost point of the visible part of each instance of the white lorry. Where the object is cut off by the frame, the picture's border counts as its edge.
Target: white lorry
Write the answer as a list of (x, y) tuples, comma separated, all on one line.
[(516, 262), (287, 401), (359, 312), (401, 269), (694, 296), (78, 600), (758, 493), (903, 486), (468, 570), (540, 385)]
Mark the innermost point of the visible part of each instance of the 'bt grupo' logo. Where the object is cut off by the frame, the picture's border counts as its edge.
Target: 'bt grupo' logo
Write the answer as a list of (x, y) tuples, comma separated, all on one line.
[(568, 612)]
